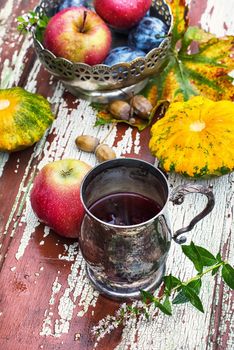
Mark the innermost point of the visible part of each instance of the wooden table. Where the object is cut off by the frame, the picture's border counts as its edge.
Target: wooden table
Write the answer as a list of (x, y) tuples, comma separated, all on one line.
[(46, 301)]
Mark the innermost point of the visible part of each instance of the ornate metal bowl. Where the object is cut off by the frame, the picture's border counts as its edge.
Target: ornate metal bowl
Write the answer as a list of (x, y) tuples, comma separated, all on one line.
[(102, 83)]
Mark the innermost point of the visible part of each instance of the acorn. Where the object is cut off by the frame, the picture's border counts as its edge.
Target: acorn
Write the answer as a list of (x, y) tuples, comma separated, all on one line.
[(87, 143), (120, 109), (141, 106), (104, 152)]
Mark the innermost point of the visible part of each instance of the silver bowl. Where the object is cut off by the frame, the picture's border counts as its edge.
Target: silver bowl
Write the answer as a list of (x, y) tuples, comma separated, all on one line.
[(102, 83)]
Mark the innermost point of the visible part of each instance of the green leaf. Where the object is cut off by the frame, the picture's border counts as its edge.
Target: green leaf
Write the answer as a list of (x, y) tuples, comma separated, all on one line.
[(196, 285), (181, 298), (207, 258), (185, 86), (101, 121), (32, 20), (39, 34), (171, 282), (219, 258), (215, 270), (191, 252), (228, 275), (20, 19), (21, 28), (133, 309), (146, 314), (165, 307), (193, 298), (41, 23), (199, 256), (146, 296)]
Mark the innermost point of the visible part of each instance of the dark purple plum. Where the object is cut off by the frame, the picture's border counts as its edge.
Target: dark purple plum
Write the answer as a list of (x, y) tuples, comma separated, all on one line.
[(122, 54), (69, 3), (148, 34)]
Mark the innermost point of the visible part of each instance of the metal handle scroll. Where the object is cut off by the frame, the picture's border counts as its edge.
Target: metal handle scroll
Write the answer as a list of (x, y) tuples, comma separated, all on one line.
[(177, 197)]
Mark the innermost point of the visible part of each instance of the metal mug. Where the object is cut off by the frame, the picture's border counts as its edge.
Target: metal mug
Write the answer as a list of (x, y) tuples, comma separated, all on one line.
[(122, 260)]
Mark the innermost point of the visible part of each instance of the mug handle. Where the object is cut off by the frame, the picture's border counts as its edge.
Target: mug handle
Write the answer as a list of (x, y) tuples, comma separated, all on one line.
[(177, 197)]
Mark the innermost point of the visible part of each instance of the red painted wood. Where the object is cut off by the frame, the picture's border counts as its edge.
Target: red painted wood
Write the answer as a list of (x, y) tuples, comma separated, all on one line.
[(25, 289)]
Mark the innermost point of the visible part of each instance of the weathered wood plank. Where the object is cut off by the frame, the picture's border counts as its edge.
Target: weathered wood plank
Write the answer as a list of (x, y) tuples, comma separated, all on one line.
[(45, 298)]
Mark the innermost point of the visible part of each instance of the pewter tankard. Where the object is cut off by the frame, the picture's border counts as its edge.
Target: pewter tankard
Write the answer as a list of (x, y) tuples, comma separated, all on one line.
[(121, 260)]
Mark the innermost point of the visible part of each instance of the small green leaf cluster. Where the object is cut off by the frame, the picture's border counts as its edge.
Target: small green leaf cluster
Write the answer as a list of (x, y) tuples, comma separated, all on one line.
[(183, 292), (174, 292), (33, 22), (101, 121)]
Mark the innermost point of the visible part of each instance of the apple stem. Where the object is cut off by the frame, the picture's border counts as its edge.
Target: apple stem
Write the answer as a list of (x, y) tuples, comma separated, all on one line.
[(66, 173), (84, 20)]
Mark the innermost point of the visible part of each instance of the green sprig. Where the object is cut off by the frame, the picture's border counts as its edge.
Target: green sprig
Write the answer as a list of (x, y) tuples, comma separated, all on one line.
[(188, 291), (33, 22), (175, 291)]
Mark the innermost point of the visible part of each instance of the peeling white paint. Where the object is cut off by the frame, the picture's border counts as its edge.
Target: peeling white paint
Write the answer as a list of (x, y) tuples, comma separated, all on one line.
[(5, 14), (218, 17), (31, 81), (31, 224), (66, 300), (3, 160), (137, 145), (12, 70), (47, 323), (21, 194), (55, 289), (46, 231), (70, 252), (124, 146)]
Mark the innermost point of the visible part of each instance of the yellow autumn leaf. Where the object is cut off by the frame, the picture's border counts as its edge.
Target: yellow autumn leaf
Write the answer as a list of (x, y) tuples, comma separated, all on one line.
[(188, 72)]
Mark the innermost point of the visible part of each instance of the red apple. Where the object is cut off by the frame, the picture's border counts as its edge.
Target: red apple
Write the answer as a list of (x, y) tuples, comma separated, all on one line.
[(79, 35), (55, 196), (122, 14)]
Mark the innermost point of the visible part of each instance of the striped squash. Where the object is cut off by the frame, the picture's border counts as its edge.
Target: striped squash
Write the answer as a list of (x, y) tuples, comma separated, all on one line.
[(24, 118), (195, 138)]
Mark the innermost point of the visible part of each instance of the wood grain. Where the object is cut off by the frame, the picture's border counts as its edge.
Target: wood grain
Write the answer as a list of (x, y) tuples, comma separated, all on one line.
[(46, 301)]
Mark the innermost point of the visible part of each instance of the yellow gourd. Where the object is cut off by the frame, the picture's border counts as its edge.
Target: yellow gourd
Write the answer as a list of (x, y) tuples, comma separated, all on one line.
[(24, 118), (195, 138)]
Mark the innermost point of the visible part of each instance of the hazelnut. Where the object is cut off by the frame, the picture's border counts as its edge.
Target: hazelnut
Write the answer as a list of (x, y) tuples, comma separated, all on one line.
[(104, 152), (87, 143), (120, 109), (141, 106)]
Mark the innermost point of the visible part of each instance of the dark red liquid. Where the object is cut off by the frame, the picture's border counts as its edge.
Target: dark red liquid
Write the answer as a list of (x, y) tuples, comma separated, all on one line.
[(125, 208)]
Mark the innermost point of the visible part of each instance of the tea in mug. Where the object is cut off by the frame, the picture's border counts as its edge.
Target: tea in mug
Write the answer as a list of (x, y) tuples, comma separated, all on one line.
[(125, 208)]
